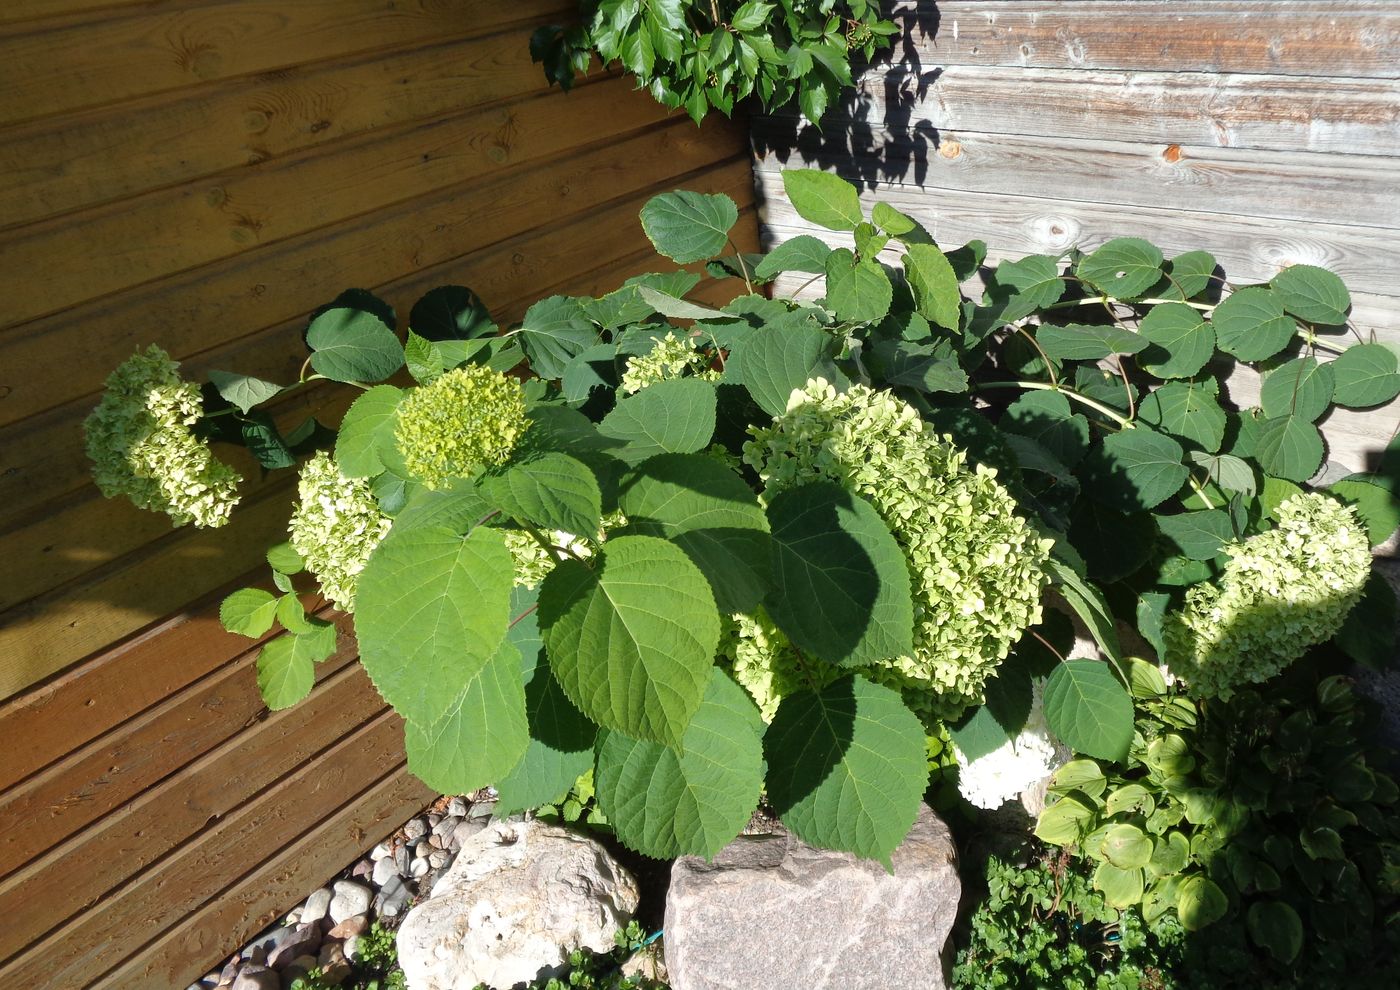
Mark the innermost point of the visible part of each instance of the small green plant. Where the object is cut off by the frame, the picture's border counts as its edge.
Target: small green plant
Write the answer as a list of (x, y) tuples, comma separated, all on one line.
[(1043, 925), (711, 54)]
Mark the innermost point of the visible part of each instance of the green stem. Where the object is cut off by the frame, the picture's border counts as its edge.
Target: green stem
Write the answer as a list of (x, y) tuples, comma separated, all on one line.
[(1111, 413), (743, 266), (1200, 491)]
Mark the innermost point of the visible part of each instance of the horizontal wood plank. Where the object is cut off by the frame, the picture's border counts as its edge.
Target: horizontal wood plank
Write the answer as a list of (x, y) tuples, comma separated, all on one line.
[(1355, 38), (87, 62), (17, 11), (100, 777), (238, 913), (98, 156), (151, 237), (1277, 113), (196, 802), (48, 722), (43, 456), (1357, 190), (290, 817)]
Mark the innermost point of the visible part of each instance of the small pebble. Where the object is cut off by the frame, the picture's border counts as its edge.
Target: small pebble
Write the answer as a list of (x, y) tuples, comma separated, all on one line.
[(482, 810), (457, 808), (348, 900), (415, 828), (402, 859), (444, 828), (435, 841), (438, 858), (316, 906), (465, 831), (433, 820), (363, 868), (351, 947), (380, 851), (304, 941), (419, 868), (383, 870), (335, 968), (298, 967), (351, 927)]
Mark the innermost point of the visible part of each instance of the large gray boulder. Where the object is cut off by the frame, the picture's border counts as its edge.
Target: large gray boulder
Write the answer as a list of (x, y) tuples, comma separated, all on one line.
[(773, 912), (518, 897)]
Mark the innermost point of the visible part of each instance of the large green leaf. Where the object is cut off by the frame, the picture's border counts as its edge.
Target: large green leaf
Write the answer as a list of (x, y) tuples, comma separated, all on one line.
[(1034, 281), (353, 345), (1200, 902), (1187, 410), (676, 416), (840, 581), (1087, 341), (1124, 268), (1374, 503), (935, 285), (248, 612), (927, 367), (847, 767), (554, 332), (365, 445), (451, 312), (551, 491), (1090, 605), (1366, 375), (458, 507), (803, 253), (482, 734), (1088, 708), (1313, 294), (1135, 469), (1181, 341), (690, 800), (1001, 716), (1047, 418), (823, 198), (1301, 387), (1198, 535), (709, 512), (1274, 925), (1289, 447), (857, 291), (689, 226), (771, 363), (561, 737), (430, 610), (1251, 324), (1190, 274), (632, 636)]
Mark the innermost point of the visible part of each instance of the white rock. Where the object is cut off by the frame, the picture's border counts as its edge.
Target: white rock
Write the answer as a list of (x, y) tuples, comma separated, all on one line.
[(383, 870), (316, 906), (348, 900), (517, 897), (380, 851), (419, 868)]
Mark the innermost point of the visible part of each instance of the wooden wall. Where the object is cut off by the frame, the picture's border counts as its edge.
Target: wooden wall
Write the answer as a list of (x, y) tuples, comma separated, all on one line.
[(201, 174), (1266, 132)]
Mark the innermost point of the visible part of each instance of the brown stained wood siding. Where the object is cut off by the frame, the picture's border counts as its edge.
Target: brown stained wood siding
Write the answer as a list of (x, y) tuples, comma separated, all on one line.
[(1265, 132), (202, 174)]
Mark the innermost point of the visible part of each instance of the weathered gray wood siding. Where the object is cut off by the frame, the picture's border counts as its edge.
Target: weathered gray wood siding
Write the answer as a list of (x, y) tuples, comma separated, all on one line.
[(1266, 132)]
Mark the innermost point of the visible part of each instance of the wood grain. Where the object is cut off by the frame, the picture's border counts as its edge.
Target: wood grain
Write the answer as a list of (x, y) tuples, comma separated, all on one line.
[(1277, 113), (203, 873), (194, 802), (92, 157), (1355, 39), (45, 72), (100, 777), (238, 913), (1357, 190)]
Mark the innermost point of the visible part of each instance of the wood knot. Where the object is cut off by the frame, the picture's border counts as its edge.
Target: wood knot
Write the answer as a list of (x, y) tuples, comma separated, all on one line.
[(949, 149), (1172, 153)]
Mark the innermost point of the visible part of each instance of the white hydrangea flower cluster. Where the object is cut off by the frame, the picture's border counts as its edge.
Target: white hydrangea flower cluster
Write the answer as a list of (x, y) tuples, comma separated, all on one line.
[(532, 561), (141, 445), (467, 419), (670, 358), (1282, 592), (1018, 764), (335, 527), (976, 567)]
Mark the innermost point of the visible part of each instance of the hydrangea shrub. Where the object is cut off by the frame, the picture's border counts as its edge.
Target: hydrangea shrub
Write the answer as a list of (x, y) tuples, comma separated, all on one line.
[(787, 549)]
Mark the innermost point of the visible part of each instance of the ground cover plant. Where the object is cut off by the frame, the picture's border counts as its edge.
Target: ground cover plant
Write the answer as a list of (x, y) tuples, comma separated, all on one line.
[(704, 55), (790, 548)]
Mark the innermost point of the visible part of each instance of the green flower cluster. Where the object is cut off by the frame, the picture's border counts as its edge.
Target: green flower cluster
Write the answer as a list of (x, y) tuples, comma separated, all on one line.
[(335, 527), (1282, 592), (765, 664), (669, 358), (141, 446), (976, 567), (468, 419)]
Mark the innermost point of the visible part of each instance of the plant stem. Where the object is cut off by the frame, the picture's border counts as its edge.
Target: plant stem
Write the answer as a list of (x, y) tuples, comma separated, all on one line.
[(1112, 414), (743, 266), (522, 615)]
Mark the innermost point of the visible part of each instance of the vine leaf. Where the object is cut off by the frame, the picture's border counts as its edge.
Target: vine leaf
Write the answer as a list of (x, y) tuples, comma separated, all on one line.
[(481, 735), (1366, 375), (1313, 294), (847, 767), (1135, 470), (822, 198), (248, 612), (770, 364), (1250, 324), (1289, 447), (857, 291), (1181, 341), (1187, 410), (243, 391), (1000, 718), (840, 581), (349, 344), (632, 638), (1088, 708), (689, 226), (803, 253), (691, 799), (1124, 268), (451, 312), (1302, 387), (287, 667), (935, 285), (1199, 535), (1087, 342), (431, 610), (554, 332)]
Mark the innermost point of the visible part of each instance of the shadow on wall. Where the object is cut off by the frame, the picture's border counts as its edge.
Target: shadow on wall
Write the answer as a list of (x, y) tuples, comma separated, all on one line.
[(869, 136)]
